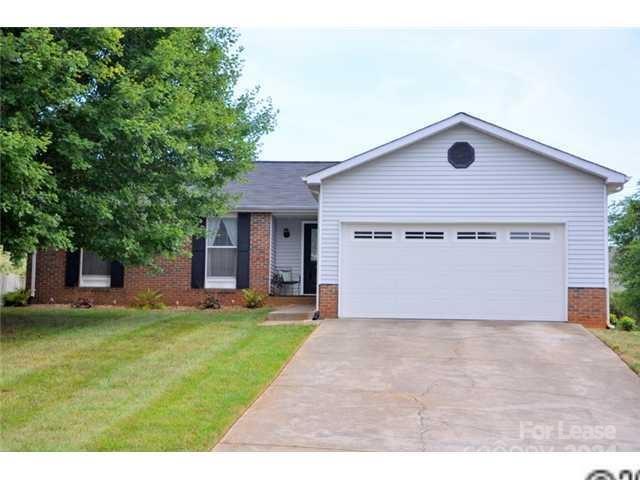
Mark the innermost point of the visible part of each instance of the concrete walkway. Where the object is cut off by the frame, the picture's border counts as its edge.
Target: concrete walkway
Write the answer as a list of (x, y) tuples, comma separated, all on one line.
[(404, 385)]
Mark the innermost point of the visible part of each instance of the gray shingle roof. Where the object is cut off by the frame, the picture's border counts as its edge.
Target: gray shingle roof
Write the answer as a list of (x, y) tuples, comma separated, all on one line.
[(277, 186)]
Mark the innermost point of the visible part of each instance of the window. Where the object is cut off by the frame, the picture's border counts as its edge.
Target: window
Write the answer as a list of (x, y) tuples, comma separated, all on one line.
[(477, 236), (530, 235), (418, 235), (221, 257), (540, 235), (94, 271), (372, 235), (487, 235), (461, 155)]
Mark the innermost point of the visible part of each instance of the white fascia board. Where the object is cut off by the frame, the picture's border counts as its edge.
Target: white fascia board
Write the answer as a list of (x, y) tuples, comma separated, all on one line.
[(389, 147), (610, 176), (267, 209), (282, 212)]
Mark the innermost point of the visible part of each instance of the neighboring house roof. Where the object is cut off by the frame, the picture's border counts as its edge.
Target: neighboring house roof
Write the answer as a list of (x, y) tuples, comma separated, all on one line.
[(277, 186), (612, 177)]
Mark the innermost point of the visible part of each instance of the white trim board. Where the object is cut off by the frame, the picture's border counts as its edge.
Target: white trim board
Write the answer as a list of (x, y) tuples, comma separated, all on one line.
[(611, 177)]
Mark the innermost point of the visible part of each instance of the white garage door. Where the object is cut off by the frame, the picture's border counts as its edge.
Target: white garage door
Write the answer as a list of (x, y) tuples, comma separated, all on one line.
[(461, 271)]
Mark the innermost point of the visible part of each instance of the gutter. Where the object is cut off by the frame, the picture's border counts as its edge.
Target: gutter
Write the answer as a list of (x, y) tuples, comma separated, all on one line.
[(610, 326), (33, 275)]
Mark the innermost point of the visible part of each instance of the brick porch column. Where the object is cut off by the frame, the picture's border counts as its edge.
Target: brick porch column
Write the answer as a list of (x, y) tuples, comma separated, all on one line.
[(260, 252), (328, 300)]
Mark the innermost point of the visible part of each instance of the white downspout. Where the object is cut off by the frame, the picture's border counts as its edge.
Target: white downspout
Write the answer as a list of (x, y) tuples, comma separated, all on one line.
[(319, 246), (610, 326), (33, 274)]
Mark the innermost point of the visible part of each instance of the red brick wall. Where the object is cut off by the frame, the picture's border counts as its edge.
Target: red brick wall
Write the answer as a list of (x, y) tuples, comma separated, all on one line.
[(328, 300), (260, 252), (174, 281), (588, 307)]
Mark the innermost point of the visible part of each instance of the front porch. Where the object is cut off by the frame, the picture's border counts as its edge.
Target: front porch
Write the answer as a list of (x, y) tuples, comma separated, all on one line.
[(294, 259)]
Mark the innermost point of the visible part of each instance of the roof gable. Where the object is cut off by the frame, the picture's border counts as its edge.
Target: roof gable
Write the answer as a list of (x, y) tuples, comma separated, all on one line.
[(616, 179)]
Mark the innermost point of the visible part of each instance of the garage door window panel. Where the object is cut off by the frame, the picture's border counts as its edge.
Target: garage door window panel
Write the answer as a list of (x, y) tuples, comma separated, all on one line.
[(373, 235), (537, 235), (423, 235), (482, 235)]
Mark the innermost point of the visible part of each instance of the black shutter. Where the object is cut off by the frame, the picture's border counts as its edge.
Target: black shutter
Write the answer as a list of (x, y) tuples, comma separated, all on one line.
[(242, 273), (117, 274), (72, 269), (198, 250)]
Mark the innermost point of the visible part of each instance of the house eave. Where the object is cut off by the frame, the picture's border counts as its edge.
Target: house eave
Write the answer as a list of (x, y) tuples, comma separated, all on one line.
[(608, 175), (279, 210)]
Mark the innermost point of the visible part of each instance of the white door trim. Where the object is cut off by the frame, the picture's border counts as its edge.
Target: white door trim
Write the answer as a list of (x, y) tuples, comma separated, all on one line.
[(302, 224)]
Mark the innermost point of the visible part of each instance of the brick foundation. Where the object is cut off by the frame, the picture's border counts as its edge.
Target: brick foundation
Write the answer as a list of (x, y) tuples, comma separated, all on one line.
[(588, 307), (260, 252), (328, 300), (174, 281)]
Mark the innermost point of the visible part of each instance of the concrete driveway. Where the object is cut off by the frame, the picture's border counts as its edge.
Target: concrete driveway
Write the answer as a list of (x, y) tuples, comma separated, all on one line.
[(404, 385)]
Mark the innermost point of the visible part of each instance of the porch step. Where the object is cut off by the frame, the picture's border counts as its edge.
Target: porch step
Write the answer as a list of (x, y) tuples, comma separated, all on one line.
[(288, 313), (287, 301)]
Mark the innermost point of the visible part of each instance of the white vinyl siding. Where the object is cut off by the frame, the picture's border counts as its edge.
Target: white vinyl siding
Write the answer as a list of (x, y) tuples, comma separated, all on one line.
[(288, 251), (505, 184)]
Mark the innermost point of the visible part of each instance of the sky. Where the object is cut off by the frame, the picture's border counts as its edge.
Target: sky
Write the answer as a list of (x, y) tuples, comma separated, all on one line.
[(341, 92)]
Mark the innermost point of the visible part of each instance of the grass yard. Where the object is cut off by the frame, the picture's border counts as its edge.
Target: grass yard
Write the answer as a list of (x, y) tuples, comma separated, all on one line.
[(625, 344), (117, 379)]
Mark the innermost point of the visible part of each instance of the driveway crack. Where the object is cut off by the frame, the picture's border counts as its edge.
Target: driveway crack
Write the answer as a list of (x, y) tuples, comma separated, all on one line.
[(422, 415)]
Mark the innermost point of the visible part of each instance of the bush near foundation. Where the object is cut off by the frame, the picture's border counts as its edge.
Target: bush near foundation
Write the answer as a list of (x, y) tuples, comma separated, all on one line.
[(626, 323), (253, 299), (19, 298)]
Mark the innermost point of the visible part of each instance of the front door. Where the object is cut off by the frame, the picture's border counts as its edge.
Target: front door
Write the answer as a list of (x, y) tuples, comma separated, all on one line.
[(310, 258)]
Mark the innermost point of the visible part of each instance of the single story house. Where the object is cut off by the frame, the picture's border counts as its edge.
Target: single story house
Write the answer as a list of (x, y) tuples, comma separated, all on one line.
[(459, 220)]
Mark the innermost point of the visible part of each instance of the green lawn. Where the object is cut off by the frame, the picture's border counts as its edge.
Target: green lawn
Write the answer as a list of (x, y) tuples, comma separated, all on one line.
[(625, 344), (112, 379)]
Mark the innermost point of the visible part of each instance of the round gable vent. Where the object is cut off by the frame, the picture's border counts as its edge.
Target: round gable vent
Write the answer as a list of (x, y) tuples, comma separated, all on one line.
[(461, 155)]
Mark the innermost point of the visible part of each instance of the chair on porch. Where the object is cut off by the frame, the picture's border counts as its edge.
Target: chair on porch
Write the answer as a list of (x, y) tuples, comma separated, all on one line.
[(284, 282)]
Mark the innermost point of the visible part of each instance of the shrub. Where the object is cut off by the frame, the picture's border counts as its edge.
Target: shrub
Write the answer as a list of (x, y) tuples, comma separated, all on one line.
[(253, 299), (149, 300), (621, 305), (629, 303), (626, 323), (613, 318), (19, 298), (615, 304), (210, 302), (82, 303)]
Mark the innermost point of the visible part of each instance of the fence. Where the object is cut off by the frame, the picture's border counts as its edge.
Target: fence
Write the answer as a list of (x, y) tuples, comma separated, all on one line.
[(10, 282)]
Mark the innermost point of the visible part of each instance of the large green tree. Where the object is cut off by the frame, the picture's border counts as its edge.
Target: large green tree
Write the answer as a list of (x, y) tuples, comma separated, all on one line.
[(120, 140), (624, 231)]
